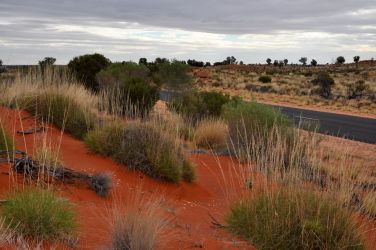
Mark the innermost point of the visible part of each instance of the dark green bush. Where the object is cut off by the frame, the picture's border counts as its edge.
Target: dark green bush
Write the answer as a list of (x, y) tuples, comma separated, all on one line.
[(197, 105), (294, 219), (132, 82), (265, 79), (174, 75), (39, 214), (86, 67), (324, 82)]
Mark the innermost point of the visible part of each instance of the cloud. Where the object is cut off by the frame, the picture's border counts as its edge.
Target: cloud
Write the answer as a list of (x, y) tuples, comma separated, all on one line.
[(205, 30)]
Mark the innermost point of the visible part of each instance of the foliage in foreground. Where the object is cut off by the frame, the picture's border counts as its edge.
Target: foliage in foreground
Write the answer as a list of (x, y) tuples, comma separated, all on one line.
[(290, 219), (39, 214), (143, 146), (211, 133)]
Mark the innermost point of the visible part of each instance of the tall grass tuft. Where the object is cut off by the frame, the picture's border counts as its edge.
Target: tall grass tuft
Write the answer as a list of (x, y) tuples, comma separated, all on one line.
[(56, 98), (39, 214), (211, 133), (6, 142), (294, 219)]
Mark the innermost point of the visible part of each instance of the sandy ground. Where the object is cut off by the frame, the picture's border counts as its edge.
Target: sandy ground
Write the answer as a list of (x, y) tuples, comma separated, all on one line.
[(189, 207)]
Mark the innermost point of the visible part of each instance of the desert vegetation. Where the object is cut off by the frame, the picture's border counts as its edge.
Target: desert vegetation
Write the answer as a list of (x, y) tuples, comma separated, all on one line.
[(272, 185)]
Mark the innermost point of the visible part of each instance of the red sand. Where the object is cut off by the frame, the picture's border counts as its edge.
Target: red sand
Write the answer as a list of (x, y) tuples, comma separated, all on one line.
[(190, 206)]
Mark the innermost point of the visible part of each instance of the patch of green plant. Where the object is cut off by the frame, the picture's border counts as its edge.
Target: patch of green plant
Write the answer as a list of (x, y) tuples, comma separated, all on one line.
[(173, 75), (39, 214), (293, 219), (265, 79), (198, 105), (62, 111)]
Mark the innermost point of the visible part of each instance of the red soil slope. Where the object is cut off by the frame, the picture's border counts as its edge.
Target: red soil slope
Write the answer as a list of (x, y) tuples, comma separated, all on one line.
[(189, 206)]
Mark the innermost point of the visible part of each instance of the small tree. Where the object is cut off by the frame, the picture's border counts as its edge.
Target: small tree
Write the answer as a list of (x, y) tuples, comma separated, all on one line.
[(324, 82), (174, 75), (303, 60), (143, 61), (268, 61), (275, 63), (1, 62), (356, 59), (314, 62), (340, 60), (285, 61), (207, 64), (46, 62), (86, 67)]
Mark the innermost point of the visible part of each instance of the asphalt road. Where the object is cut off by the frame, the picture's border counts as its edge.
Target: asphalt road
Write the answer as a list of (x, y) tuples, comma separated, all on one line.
[(346, 126)]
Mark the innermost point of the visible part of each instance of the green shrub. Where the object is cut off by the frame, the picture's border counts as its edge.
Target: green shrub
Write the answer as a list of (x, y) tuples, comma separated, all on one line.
[(256, 131), (198, 105), (86, 67), (173, 75), (62, 111), (39, 214), (265, 79), (136, 94), (324, 82), (294, 219), (143, 146), (105, 140)]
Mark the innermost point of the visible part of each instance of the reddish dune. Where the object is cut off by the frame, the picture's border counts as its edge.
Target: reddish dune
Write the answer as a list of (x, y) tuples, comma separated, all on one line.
[(191, 207)]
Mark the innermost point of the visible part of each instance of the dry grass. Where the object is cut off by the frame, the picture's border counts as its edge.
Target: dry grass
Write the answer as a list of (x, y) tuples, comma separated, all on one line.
[(211, 133), (139, 224)]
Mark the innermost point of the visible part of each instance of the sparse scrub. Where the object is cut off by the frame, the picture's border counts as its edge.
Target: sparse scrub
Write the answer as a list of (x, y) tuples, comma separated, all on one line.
[(211, 133), (39, 214), (294, 219), (357, 89), (265, 79), (369, 204)]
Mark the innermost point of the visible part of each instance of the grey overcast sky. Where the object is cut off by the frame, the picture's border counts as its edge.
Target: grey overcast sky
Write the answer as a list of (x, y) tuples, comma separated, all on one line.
[(207, 30)]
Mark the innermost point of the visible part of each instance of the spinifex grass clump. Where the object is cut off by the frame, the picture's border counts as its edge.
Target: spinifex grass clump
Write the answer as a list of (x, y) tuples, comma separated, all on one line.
[(211, 133), (292, 219), (56, 98), (144, 146), (39, 214)]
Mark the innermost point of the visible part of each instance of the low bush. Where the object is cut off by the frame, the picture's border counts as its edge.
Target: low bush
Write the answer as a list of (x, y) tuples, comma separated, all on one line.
[(39, 214), (173, 75), (357, 89), (101, 183), (211, 133), (324, 83), (294, 219), (143, 146), (198, 105), (105, 140), (265, 79)]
